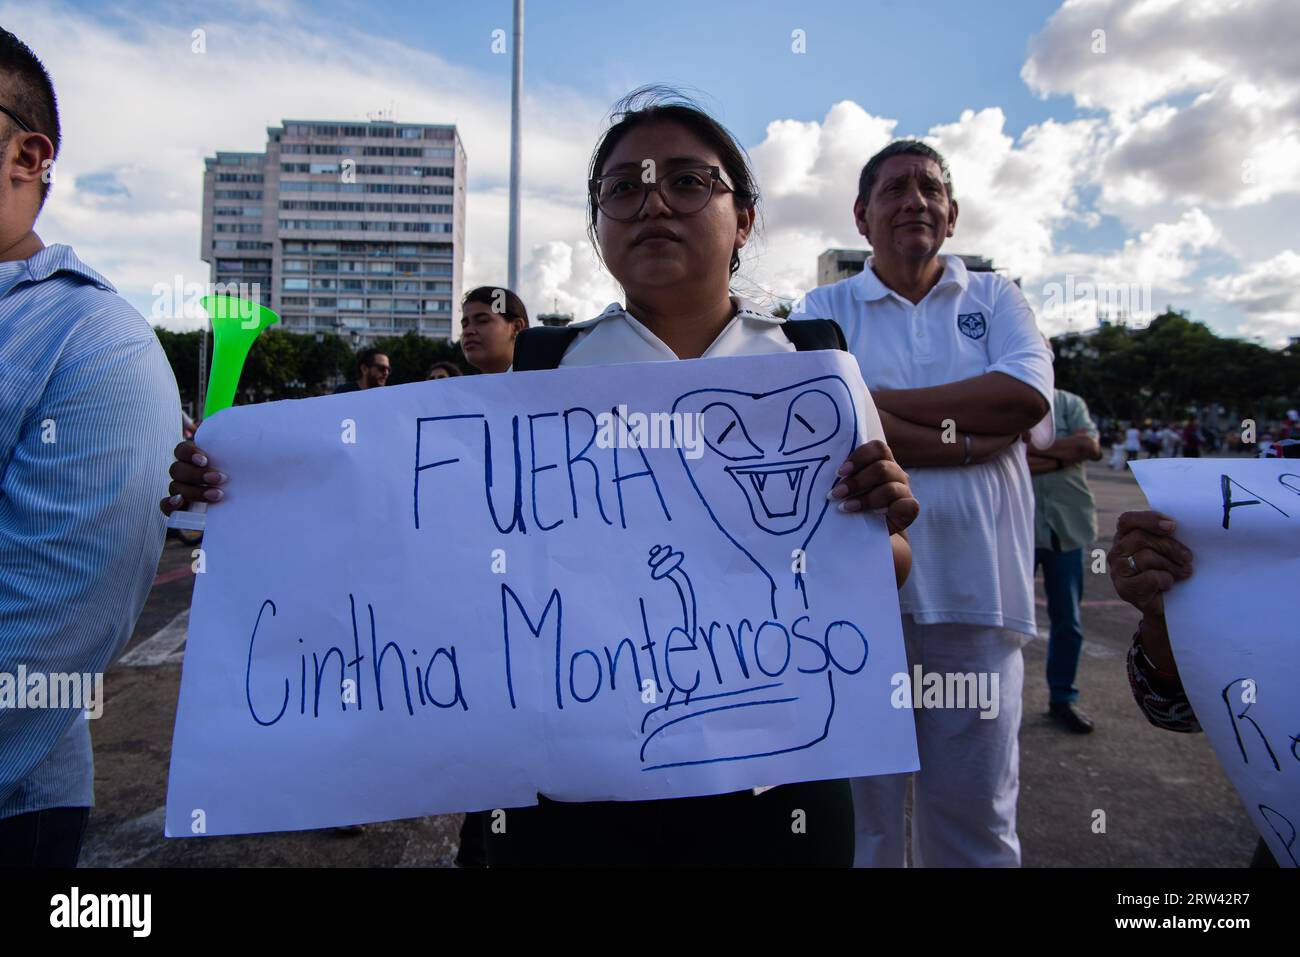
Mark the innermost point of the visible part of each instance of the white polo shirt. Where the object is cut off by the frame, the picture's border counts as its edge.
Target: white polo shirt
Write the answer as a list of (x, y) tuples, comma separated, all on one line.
[(615, 336), (973, 544)]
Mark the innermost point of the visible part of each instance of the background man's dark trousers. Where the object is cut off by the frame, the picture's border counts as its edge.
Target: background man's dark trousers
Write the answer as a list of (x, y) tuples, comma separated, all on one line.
[(1063, 582)]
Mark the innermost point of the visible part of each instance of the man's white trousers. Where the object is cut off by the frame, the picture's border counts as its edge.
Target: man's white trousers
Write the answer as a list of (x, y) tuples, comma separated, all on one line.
[(964, 796)]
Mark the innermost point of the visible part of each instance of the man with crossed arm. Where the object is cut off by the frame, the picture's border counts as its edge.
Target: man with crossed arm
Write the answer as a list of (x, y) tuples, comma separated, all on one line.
[(959, 371)]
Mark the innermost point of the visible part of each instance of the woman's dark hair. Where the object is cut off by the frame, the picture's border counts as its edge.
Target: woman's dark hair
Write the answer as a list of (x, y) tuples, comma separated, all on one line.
[(500, 300), (448, 367), (663, 104)]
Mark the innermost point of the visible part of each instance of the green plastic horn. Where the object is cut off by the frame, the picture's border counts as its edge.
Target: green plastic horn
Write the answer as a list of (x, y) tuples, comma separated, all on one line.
[(235, 324)]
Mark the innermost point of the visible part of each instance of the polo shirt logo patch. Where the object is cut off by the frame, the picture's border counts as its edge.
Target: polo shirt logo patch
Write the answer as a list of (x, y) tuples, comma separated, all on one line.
[(972, 324)]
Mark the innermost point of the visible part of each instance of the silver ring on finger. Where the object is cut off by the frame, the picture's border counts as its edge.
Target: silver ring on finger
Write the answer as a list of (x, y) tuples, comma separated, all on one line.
[(1132, 565)]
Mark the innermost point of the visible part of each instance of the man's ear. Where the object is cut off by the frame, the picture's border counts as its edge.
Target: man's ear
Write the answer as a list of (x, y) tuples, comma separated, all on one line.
[(28, 156), (952, 216), (860, 219)]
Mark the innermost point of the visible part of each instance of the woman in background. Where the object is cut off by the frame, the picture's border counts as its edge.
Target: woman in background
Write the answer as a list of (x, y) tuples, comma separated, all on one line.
[(491, 317), (443, 370)]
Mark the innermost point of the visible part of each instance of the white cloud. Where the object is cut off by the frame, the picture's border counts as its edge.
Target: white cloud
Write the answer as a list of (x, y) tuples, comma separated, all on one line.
[(1081, 288), (1237, 141), (1012, 193), (1268, 293)]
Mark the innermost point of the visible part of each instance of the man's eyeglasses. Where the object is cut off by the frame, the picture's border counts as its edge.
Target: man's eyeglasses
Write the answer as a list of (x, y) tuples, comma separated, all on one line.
[(622, 196), (17, 119)]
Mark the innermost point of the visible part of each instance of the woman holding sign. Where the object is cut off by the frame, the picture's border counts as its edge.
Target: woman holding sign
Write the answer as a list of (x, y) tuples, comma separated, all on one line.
[(672, 203)]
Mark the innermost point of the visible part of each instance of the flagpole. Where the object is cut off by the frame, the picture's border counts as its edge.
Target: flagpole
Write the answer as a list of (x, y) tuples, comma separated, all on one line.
[(516, 98)]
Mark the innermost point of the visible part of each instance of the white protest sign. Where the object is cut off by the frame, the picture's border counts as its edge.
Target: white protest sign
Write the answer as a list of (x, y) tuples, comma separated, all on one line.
[(1234, 626), (621, 582)]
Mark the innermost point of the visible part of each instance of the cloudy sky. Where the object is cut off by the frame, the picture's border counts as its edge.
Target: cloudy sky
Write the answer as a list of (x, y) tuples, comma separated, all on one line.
[(1144, 144)]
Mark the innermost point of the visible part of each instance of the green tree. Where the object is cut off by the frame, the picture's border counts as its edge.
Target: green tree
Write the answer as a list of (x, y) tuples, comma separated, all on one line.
[(412, 354), (1174, 368), (182, 351)]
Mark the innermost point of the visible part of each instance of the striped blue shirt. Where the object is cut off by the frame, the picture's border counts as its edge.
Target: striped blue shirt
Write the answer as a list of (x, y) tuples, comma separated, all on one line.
[(89, 415)]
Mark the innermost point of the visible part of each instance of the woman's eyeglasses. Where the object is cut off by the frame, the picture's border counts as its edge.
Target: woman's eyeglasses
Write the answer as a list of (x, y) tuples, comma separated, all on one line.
[(622, 196), (17, 119)]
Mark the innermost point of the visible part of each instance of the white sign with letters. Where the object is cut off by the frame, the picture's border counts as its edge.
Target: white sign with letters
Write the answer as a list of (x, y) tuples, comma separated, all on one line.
[(621, 582), (1235, 624)]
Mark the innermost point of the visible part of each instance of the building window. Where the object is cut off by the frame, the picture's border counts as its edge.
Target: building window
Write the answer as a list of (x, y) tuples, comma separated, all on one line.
[(294, 285)]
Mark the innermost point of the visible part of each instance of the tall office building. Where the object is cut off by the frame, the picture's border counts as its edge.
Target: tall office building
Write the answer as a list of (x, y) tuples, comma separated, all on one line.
[(351, 228)]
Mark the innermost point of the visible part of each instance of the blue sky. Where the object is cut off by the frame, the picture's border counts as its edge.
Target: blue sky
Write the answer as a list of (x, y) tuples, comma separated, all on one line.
[(737, 53), (1125, 164)]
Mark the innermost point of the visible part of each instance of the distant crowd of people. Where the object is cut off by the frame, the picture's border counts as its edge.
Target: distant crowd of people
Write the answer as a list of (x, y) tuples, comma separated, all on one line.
[(1129, 441)]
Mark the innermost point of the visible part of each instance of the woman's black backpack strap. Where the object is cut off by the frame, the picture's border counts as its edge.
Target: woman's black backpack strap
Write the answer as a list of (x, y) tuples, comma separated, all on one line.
[(542, 347), (811, 334)]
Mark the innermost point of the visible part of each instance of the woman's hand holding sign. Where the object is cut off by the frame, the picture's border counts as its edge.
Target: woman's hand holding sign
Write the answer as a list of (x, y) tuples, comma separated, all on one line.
[(194, 479), (1145, 562), (871, 479)]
